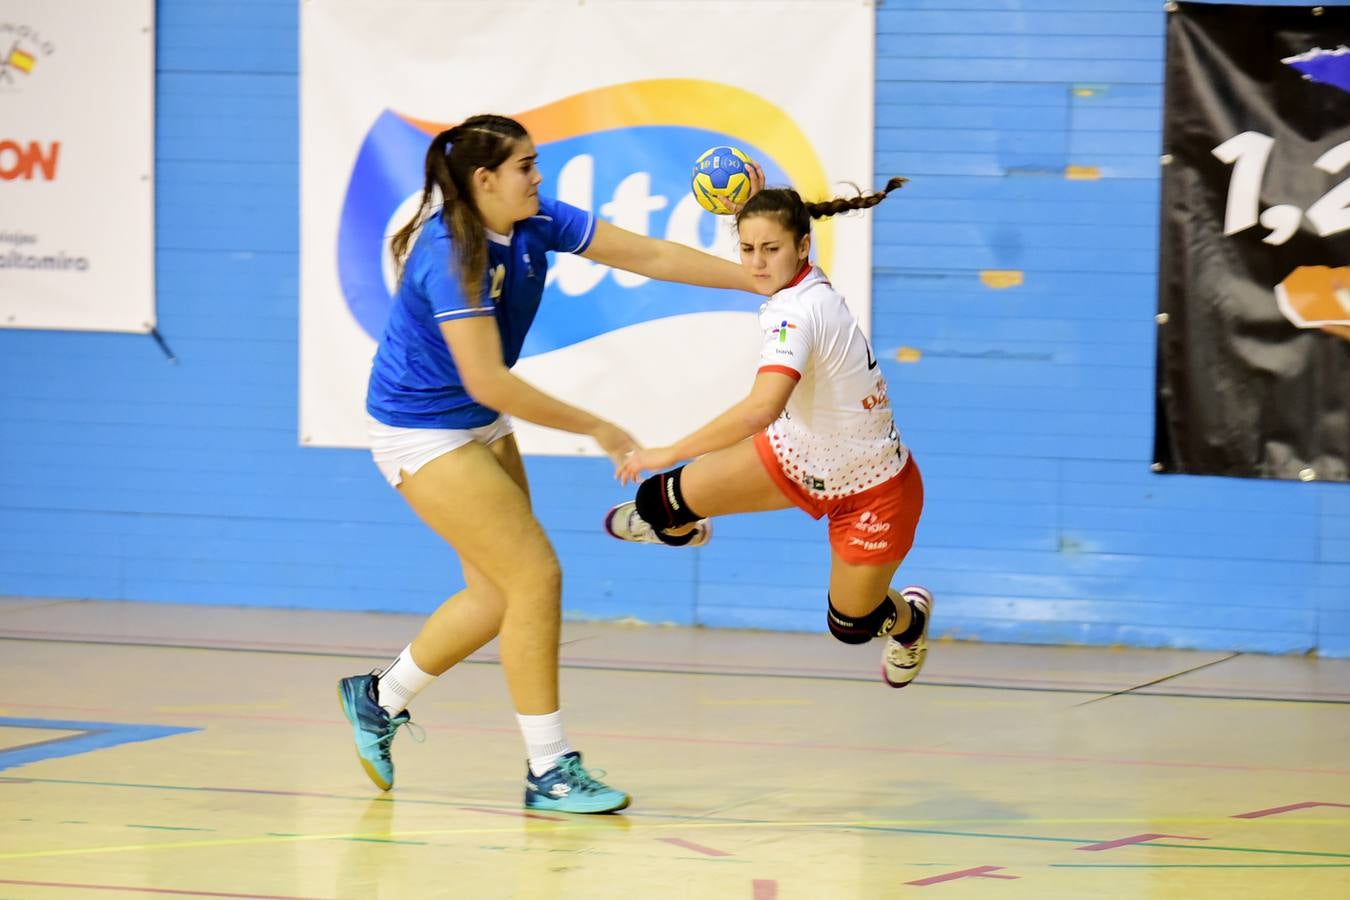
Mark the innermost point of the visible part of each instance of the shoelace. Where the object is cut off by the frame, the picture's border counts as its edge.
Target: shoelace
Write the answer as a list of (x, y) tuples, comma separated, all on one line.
[(383, 741), (638, 527), (581, 779), (897, 654)]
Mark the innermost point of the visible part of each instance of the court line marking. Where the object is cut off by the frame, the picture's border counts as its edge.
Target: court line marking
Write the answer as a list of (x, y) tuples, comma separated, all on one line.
[(89, 736), (798, 745), (164, 827), (670, 666), (1197, 865), (364, 651), (1213, 662), (691, 845), (765, 888), (737, 673), (875, 825), (149, 890), (635, 815)]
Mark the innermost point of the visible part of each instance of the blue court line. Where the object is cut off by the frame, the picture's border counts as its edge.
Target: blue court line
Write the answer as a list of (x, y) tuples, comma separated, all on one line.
[(92, 736)]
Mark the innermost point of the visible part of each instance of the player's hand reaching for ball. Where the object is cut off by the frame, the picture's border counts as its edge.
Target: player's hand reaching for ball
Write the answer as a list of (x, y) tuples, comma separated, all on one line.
[(756, 174)]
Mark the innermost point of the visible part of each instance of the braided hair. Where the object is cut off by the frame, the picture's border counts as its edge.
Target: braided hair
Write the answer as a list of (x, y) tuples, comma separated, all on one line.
[(795, 214)]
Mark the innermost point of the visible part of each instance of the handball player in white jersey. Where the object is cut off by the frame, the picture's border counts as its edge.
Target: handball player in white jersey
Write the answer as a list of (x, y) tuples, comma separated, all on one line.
[(815, 432), (473, 262)]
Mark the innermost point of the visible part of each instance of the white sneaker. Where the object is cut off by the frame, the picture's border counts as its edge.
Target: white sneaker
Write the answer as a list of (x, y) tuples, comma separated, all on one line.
[(624, 523), (900, 663)]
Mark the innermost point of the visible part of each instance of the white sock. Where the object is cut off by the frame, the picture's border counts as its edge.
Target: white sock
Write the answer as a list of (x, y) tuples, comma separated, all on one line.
[(544, 740), (402, 681)]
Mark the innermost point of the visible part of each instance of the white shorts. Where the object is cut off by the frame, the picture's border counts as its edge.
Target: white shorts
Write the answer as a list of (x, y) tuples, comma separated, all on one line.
[(398, 450)]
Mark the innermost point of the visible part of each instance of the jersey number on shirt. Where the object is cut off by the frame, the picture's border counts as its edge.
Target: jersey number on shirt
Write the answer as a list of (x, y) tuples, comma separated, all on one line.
[(499, 278)]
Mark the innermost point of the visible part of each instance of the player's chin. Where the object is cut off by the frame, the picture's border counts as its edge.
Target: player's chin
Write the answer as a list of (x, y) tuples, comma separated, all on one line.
[(531, 206)]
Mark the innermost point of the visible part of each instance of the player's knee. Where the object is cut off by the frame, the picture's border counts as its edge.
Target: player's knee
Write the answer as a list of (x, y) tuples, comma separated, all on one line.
[(861, 629), (660, 502), (534, 575)]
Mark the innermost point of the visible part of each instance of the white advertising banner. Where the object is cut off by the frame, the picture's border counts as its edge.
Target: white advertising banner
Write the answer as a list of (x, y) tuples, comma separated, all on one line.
[(77, 99), (620, 97)]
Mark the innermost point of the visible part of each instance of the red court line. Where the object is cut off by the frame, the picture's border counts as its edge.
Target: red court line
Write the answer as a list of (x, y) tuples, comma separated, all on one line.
[(148, 890), (765, 889), (1136, 839), (697, 848), (977, 872), (1276, 810)]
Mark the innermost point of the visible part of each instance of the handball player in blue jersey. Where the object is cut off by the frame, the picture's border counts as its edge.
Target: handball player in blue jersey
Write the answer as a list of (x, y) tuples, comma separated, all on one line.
[(441, 401)]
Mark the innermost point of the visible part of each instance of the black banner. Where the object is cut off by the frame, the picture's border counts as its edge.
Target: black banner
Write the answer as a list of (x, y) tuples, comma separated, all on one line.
[(1254, 265)]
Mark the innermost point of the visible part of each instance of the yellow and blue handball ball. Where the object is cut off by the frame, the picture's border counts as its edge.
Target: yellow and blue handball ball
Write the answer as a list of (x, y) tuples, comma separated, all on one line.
[(721, 175)]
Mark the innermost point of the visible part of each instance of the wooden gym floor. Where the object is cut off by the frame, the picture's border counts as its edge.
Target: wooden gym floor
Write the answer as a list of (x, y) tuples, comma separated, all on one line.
[(155, 750)]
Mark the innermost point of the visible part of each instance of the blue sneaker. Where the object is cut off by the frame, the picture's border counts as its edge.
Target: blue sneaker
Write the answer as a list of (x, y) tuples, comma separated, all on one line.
[(373, 727), (567, 787)]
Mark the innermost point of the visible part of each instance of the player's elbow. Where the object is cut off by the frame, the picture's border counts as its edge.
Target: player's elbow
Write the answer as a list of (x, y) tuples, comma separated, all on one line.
[(488, 385), (759, 417)]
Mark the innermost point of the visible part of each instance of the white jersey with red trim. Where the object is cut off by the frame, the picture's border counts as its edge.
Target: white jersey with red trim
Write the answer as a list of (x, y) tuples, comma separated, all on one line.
[(836, 437)]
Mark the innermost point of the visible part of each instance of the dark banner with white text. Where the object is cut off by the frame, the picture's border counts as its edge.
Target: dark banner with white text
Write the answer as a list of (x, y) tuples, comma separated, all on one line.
[(1253, 374)]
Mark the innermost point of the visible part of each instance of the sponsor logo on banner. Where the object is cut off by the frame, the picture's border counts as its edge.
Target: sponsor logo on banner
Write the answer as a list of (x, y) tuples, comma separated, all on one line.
[(26, 159), (22, 49), (623, 152)]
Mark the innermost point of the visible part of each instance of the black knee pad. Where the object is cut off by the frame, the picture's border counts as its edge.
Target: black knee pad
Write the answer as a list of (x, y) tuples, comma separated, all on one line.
[(862, 629), (661, 504)]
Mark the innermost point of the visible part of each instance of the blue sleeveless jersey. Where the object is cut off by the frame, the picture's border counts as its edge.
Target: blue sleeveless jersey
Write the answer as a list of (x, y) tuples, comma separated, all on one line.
[(414, 382)]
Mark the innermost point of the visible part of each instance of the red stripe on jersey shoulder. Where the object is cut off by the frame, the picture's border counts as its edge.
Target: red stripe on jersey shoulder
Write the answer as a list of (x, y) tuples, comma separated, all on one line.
[(781, 370)]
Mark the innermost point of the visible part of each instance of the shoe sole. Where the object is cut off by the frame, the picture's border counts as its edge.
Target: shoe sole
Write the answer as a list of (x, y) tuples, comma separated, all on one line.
[(371, 773), (548, 806), (900, 684), (904, 593)]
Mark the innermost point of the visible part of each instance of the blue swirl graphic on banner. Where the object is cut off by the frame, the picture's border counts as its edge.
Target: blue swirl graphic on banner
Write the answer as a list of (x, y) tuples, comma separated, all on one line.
[(630, 170)]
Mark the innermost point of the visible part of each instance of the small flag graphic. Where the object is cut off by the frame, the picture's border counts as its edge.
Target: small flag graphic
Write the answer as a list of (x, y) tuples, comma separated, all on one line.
[(24, 62)]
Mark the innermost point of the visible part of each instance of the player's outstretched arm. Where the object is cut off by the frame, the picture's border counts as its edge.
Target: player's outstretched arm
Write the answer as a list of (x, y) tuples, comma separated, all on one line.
[(477, 348), (664, 260), (765, 402)]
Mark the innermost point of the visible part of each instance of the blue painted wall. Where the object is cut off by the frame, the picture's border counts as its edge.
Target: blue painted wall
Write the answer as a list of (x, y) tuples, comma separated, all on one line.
[(123, 476)]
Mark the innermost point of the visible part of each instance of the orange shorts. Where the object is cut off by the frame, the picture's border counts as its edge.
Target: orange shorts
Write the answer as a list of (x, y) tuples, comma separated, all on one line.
[(869, 528)]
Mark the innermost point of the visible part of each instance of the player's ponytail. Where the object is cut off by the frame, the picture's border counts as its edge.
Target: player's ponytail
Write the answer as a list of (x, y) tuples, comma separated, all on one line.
[(479, 142), (787, 206), (826, 208)]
